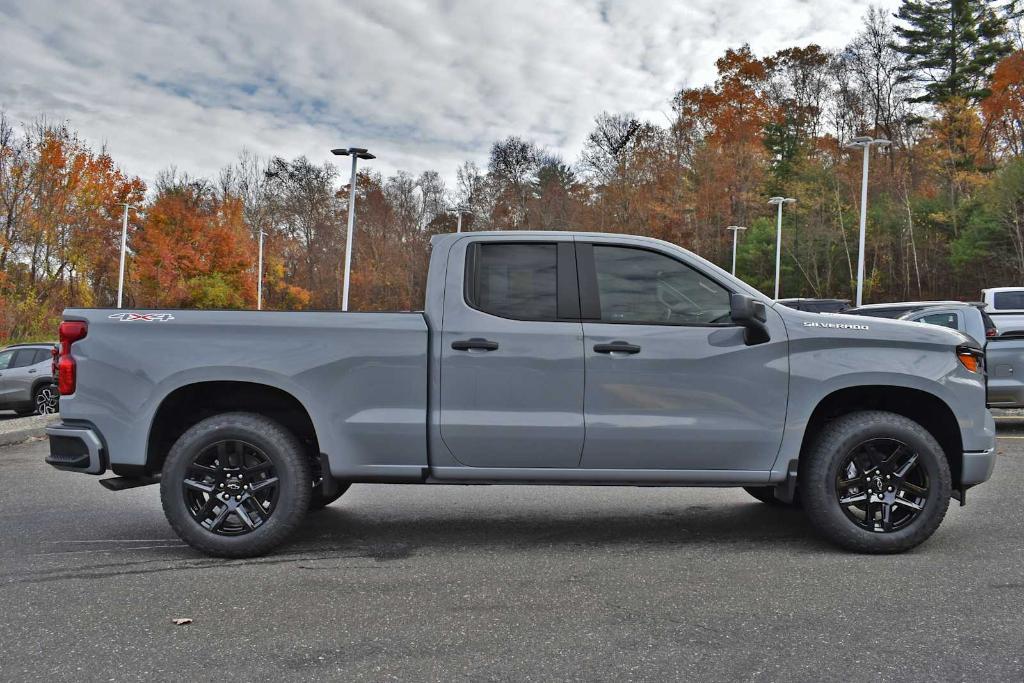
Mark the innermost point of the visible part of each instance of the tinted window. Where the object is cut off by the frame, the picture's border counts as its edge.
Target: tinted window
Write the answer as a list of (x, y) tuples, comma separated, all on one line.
[(1008, 300), (514, 280), (5, 359), (23, 358), (943, 319), (639, 286), (42, 355)]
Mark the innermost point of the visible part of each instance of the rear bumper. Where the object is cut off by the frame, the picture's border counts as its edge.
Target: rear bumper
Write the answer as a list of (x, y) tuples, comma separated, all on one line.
[(978, 466), (76, 448)]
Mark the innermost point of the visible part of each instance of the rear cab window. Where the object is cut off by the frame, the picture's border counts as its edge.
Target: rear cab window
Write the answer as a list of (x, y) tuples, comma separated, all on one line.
[(534, 281), (1005, 301)]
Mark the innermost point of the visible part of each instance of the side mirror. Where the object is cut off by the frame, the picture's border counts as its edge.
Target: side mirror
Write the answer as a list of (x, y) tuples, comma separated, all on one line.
[(750, 313)]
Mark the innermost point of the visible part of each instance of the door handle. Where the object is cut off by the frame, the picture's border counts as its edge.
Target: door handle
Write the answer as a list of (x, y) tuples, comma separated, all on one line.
[(617, 347), (476, 343), (32, 372)]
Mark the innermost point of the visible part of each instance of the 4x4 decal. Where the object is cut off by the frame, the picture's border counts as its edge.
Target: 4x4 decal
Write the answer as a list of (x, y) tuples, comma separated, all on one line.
[(142, 317)]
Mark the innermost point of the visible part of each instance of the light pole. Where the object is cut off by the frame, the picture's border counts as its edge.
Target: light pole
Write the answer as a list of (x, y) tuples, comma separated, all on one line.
[(735, 235), (778, 238), (460, 210), (865, 141), (124, 248), (356, 153), (259, 276)]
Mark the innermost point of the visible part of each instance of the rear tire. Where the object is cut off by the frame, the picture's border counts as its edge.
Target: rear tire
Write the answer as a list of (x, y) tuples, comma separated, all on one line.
[(875, 482), (235, 485)]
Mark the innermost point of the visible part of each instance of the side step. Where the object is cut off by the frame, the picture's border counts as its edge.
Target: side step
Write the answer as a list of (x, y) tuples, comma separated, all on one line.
[(125, 483)]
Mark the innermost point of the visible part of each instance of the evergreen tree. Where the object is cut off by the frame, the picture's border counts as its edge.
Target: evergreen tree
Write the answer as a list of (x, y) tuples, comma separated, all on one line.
[(951, 46)]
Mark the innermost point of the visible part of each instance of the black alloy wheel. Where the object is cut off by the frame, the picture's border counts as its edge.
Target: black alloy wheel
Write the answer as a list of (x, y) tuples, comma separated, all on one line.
[(231, 488), (882, 486), (236, 485), (873, 481)]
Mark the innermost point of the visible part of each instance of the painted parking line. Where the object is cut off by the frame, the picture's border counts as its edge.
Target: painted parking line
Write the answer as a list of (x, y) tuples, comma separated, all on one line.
[(1000, 436)]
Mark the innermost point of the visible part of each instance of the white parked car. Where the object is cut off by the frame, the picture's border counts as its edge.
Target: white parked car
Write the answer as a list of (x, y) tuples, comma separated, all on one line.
[(1006, 306)]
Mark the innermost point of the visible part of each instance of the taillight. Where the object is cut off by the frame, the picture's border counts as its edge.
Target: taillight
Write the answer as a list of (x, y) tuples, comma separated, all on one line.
[(70, 332)]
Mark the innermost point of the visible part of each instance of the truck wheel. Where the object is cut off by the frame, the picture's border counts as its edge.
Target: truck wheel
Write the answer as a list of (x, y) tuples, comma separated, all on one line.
[(235, 485), (766, 494), (317, 500), (875, 482)]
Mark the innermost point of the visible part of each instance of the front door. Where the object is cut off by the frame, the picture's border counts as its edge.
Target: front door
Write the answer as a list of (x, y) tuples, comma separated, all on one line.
[(512, 354), (670, 383)]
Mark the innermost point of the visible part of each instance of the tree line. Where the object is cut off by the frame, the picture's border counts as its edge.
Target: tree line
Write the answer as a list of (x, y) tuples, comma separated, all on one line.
[(942, 79)]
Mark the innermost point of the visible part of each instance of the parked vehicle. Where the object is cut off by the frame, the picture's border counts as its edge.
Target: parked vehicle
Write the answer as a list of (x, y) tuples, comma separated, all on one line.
[(817, 305), (896, 309), (540, 358), (1006, 306), (26, 379), (1004, 354)]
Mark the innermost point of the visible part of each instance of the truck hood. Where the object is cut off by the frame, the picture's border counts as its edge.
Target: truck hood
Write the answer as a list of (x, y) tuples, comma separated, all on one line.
[(851, 327)]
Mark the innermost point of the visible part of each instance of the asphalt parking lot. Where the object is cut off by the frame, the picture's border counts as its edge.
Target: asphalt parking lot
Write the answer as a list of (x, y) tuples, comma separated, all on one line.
[(505, 582)]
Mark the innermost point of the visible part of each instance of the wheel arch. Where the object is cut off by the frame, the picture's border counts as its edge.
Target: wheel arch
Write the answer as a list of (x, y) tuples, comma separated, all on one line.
[(189, 404), (924, 408)]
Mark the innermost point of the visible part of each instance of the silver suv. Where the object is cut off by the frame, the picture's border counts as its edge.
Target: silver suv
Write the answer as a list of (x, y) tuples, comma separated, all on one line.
[(26, 379)]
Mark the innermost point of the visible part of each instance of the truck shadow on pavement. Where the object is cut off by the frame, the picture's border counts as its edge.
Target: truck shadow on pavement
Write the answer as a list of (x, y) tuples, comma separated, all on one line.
[(742, 526)]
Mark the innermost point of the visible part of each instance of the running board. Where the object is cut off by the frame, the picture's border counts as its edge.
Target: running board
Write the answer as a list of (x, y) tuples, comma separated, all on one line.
[(125, 483)]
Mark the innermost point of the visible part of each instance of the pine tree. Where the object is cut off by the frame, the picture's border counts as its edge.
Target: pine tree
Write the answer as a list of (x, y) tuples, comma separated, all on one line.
[(951, 46)]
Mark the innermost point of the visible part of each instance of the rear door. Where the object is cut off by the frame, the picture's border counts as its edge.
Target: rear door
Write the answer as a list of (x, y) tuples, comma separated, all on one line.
[(19, 376), (511, 389), (670, 383)]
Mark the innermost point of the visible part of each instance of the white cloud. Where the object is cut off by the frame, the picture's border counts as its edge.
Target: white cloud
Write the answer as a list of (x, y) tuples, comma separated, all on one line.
[(423, 84)]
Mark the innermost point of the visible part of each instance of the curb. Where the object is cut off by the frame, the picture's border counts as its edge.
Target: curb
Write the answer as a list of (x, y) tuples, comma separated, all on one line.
[(19, 435)]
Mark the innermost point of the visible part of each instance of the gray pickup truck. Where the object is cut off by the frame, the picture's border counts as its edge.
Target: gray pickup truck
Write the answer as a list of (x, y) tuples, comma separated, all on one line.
[(539, 358)]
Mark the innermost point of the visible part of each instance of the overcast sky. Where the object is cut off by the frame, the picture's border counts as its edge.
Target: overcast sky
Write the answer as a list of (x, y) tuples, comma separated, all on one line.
[(423, 84)]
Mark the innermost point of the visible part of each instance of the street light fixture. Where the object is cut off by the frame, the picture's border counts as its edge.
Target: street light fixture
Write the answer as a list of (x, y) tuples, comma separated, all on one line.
[(124, 249), (735, 235), (461, 210), (778, 238), (356, 153), (866, 142)]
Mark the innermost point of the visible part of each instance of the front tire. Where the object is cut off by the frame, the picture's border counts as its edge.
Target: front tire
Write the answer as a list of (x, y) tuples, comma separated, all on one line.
[(875, 482), (235, 485)]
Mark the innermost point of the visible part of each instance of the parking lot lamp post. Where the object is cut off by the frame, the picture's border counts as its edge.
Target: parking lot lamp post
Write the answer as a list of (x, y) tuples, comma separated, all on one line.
[(460, 210), (735, 235), (866, 142), (124, 249), (259, 276), (356, 153), (778, 238)]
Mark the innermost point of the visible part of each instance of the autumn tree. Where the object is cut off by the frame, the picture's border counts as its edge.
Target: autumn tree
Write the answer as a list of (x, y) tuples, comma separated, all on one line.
[(193, 249)]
